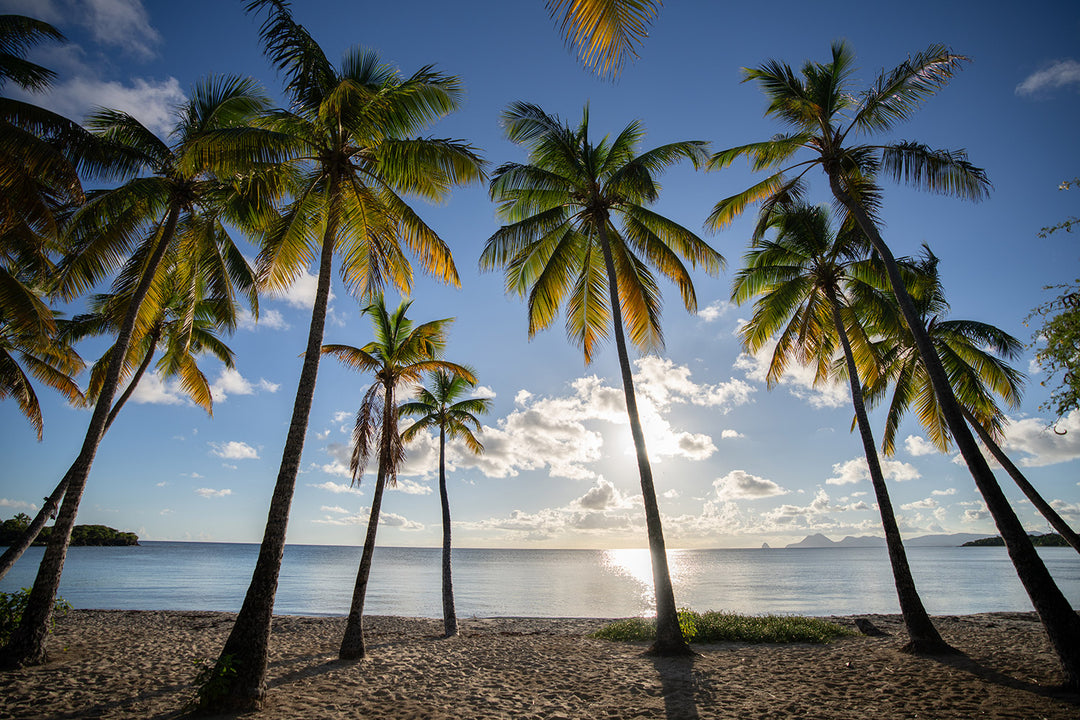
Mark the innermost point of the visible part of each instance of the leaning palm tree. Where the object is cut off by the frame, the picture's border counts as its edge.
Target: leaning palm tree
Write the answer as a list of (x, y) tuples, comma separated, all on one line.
[(801, 279), (824, 115), (351, 132), (975, 356), (605, 33), (128, 233), (399, 355), (443, 405), (188, 326), (562, 245)]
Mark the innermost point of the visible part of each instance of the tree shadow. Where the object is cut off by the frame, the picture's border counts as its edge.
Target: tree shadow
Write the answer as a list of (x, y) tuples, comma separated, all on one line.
[(962, 661), (678, 685)]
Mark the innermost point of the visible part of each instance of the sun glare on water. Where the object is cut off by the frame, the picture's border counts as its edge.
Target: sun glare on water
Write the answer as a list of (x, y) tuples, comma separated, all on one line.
[(636, 564)]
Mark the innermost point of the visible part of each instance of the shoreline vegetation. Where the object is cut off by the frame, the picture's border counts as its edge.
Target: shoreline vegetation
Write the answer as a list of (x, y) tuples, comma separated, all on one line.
[(143, 664), (11, 531)]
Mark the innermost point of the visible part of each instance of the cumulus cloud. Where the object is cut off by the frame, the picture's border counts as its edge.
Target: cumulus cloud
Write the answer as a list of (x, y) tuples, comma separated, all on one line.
[(121, 23), (270, 319), (1068, 510), (946, 491), (730, 434), (740, 484), (337, 488), (153, 390), (1060, 73), (924, 504), (1040, 444), (337, 509), (604, 496), (301, 293), (386, 519), (17, 504), (918, 446), (151, 102), (234, 450), (231, 382), (211, 493), (715, 310), (856, 470)]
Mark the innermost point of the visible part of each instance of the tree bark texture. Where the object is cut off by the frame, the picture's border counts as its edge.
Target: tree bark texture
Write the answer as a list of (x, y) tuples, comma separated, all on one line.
[(923, 637), (1062, 624), (669, 638), (27, 643), (246, 650), (449, 614), (352, 642)]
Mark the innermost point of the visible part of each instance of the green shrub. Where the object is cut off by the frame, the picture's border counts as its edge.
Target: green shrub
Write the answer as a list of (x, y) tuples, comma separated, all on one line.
[(12, 606), (712, 627)]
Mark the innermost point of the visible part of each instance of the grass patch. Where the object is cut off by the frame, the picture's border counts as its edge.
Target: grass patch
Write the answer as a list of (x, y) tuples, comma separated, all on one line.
[(712, 627)]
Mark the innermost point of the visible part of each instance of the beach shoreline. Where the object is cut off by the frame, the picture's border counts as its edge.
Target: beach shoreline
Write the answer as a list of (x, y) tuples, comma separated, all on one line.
[(127, 664)]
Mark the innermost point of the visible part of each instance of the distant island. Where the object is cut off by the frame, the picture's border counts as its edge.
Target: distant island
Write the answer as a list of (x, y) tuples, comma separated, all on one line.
[(81, 535), (1047, 540), (818, 540)]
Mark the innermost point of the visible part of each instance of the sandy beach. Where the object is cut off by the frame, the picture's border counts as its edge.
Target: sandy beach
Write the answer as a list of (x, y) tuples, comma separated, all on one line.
[(141, 664)]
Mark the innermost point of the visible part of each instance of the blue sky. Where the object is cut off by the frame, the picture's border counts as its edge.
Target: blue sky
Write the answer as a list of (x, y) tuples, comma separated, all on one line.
[(735, 464)]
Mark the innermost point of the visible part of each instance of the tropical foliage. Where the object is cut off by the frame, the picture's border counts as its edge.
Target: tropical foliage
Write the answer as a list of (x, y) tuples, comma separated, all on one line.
[(562, 247), (399, 355), (605, 33)]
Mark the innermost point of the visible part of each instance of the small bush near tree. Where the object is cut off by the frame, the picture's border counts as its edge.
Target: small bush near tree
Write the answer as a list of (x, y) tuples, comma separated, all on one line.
[(713, 627)]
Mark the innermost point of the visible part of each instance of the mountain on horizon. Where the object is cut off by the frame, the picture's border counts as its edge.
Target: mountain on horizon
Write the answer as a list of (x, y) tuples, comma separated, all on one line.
[(817, 540)]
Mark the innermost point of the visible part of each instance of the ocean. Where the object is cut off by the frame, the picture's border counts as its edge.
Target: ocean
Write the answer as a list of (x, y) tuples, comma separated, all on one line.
[(318, 580)]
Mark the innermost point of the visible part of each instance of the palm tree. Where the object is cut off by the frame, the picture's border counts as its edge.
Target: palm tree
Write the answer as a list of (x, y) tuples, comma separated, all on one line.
[(349, 132), (130, 231), (604, 32), (975, 356), (801, 279), (443, 405), (187, 327), (400, 354), (562, 245), (823, 112)]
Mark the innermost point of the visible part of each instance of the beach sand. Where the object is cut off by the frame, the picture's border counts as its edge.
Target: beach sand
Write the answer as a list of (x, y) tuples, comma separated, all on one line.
[(141, 664)]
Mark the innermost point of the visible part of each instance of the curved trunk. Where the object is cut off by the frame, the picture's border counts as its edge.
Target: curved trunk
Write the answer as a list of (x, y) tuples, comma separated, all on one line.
[(1055, 520), (1062, 624), (27, 643), (923, 637), (48, 509), (239, 678), (449, 615), (669, 637)]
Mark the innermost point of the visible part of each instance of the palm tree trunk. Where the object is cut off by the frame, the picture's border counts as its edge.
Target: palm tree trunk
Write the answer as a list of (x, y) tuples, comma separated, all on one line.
[(48, 509), (923, 637), (1062, 624), (352, 642), (239, 680), (27, 643), (669, 637), (1055, 520), (449, 615)]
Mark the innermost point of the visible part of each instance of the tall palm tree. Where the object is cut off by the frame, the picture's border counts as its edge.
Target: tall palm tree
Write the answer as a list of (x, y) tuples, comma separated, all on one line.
[(975, 356), (130, 231), (399, 355), (562, 245), (443, 405), (186, 328), (350, 133), (824, 115), (801, 280), (605, 33)]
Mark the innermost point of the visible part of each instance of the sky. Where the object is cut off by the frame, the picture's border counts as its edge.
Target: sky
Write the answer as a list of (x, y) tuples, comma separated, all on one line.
[(735, 464)]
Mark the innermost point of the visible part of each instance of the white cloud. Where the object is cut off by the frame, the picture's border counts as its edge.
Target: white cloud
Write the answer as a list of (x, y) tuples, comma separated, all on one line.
[(918, 446), (483, 392), (211, 493), (234, 450), (231, 382), (947, 491), (856, 470), (155, 391), (151, 102), (715, 310), (924, 504), (270, 319), (729, 434), (337, 509), (410, 487), (386, 519), (17, 504), (798, 379), (739, 484), (1059, 74), (1040, 444), (605, 496), (123, 23), (337, 488), (1069, 510), (301, 293)]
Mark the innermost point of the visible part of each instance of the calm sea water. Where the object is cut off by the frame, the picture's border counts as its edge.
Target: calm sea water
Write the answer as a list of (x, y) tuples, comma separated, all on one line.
[(318, 580)]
